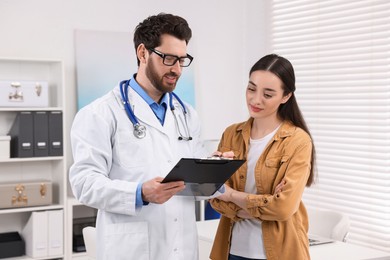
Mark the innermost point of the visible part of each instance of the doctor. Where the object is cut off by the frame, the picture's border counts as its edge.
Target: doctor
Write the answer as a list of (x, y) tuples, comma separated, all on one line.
[(125, 142)]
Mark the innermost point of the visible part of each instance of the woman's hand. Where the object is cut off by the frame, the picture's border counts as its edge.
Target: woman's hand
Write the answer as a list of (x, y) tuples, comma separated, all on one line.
[(226, 196), (227, 155), (279, 187)]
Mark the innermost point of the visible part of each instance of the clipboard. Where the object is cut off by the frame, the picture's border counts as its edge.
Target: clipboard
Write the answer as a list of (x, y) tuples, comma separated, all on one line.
[(203, 177)]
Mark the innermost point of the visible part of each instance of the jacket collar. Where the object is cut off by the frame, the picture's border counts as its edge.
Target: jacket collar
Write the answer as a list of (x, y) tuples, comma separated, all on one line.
[(285, 130)]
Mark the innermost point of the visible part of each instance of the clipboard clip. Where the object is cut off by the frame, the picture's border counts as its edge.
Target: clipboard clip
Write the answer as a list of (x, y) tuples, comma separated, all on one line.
[(215, 159), (218, 157)]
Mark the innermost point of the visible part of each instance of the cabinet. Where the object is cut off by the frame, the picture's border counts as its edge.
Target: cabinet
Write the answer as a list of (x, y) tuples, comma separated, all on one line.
[(52, 168)]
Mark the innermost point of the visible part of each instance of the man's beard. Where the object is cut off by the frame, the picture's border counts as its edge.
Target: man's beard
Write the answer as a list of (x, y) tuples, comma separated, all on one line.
[(157, 81)]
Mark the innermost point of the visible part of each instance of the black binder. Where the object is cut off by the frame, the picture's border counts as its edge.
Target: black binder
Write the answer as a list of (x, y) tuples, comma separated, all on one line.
[(22, 135), (41, 133), (203, 177), (55, 134)]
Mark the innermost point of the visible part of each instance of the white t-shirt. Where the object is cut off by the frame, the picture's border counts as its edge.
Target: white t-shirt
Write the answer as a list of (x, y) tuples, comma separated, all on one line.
[(247, 236)]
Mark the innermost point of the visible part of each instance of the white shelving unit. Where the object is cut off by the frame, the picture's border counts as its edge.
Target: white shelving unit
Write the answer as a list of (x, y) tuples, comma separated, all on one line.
[(21, 170)]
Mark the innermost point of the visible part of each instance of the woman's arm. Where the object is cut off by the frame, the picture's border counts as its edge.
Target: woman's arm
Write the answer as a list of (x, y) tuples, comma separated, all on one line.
[(239, 198)]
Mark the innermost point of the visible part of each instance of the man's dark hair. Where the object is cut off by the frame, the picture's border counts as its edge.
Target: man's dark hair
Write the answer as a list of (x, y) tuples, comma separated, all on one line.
[(149, 31)]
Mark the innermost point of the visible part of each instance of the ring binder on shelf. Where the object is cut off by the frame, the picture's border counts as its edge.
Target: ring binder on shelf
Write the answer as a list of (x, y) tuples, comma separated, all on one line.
[(41, 133), (22, 135)]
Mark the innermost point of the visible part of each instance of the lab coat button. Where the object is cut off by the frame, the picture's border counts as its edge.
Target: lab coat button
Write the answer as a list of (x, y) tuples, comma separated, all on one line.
[(175, 220)]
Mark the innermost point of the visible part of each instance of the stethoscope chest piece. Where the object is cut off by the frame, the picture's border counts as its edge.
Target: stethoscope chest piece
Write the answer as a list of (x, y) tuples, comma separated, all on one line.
[(139, 131)]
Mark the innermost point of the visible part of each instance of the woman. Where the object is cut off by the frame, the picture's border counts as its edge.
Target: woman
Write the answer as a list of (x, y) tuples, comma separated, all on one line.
[(263, 216)]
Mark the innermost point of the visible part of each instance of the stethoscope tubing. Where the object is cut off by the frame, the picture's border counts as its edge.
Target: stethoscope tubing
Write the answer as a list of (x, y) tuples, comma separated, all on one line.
[(126, 103), (139, 130)]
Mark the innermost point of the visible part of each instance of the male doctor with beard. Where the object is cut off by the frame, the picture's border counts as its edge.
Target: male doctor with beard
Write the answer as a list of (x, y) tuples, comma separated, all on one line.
[(125, 142)]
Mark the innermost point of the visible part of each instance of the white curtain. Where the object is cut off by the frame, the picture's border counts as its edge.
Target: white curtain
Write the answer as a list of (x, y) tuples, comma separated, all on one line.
[(341, 54)]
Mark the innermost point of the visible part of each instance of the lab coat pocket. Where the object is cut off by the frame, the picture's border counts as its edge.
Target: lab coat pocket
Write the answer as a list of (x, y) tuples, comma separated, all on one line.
[(127, 241), (128, 148)]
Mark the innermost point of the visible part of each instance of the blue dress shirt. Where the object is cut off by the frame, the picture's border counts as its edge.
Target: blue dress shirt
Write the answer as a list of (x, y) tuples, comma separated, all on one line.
[(159, 110)]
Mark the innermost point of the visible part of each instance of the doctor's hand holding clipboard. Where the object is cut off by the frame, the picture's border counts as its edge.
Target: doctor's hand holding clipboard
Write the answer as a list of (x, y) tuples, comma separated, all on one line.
[(154, 191)]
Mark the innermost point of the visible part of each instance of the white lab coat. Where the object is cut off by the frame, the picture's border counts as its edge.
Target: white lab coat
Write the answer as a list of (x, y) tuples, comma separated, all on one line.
[(109, 162)]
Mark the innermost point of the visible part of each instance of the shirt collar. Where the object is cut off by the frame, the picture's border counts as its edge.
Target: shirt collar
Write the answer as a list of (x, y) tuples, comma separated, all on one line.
[(137, 88), (285, 130)]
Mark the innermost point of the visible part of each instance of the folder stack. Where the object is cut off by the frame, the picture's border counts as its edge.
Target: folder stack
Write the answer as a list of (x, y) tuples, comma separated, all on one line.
[(40, 133), (36, 134), (55, 133), (44, 234)]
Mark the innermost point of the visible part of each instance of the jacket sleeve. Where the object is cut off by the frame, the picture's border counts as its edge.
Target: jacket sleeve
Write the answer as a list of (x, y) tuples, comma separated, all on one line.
[(91, 140), (296, 172), (228, 209)]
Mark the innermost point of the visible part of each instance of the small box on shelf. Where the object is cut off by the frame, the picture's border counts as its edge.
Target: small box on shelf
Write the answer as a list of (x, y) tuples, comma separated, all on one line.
[(25, 194), (24, 93), (11, 245), (5, 147)]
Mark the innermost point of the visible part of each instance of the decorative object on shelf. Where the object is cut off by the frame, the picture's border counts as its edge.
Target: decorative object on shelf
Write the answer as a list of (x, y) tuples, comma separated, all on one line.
[(17, 95), (25, 194), (11, 245), (24, 94)]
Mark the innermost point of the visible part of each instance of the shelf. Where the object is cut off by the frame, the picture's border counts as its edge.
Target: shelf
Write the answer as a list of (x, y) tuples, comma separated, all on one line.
[(18, 258), (27, 60), (29, 258), (30, 209), (32, 159), (20, 109), (80, 256), (72, 201)]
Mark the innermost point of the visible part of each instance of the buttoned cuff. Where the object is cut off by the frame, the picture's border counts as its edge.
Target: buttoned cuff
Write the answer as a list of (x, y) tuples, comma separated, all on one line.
[(138, 201)]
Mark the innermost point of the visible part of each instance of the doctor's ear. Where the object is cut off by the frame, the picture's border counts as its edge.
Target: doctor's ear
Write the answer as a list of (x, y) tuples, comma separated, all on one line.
[(141, 52)]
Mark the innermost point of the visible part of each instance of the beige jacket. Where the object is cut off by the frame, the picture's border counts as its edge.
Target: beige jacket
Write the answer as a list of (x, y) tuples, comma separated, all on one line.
[(285, 220)]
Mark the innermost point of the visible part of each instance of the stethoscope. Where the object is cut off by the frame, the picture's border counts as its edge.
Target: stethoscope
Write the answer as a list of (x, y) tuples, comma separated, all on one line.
[(140, 130)]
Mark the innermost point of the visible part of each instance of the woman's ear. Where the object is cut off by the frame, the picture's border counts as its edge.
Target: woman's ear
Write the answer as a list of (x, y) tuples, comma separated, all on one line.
[(286, 98)]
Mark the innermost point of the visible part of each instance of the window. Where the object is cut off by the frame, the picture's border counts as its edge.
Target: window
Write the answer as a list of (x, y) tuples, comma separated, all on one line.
[(341, 54)]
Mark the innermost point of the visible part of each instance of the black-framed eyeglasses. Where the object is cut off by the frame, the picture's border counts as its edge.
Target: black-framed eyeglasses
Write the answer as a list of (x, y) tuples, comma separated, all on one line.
[(170, 60)]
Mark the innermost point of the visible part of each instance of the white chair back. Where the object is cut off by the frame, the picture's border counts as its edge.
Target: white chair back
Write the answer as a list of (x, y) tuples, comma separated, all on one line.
[(328, 224), (89, 235)]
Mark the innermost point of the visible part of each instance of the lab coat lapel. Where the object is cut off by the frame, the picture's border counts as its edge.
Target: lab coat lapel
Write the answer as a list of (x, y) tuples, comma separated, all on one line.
[(145, 114)]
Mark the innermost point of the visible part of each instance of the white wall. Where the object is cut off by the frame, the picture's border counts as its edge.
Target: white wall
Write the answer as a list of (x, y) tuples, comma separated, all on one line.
[(228, 39)]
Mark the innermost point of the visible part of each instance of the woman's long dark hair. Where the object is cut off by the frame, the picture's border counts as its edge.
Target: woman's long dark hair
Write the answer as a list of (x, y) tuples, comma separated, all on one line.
[(288, 111)]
